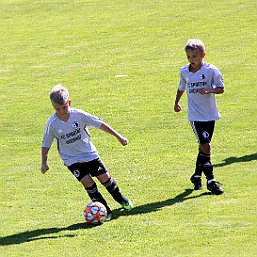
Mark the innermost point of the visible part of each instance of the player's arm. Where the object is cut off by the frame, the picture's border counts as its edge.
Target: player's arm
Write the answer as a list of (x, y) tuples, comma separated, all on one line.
[(106, 128), (44, 153), (218, 83), (177, 106), (217, 90)]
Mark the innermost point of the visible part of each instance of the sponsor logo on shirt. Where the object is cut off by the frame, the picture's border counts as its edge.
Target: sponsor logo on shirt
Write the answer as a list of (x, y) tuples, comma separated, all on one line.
[(194, 86), (72, 136)]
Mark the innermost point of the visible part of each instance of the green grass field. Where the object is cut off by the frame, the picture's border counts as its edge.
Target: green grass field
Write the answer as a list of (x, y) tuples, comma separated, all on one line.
[(85, 45)]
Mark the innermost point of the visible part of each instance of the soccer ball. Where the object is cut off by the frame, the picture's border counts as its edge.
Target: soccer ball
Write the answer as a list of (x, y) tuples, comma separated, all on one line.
[(95, 213)]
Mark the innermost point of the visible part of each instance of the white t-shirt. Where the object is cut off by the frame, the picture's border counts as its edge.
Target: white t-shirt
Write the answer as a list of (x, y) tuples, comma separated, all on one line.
[(73, 139), (201, 107)]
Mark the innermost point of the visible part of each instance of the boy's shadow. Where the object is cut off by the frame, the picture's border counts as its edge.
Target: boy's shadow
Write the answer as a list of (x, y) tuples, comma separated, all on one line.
[(155, 206), (231, 160), (40, 234)]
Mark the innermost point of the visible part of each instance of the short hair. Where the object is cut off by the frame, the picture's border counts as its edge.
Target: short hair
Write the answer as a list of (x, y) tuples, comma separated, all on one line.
[(195, 45), (59, 95)]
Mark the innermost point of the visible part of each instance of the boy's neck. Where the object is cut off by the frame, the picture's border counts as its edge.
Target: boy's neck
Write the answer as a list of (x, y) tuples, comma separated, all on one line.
[(64, 118), (195, 69)]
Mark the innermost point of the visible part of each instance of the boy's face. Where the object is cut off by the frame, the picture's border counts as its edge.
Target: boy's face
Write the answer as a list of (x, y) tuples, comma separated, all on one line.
[(195, 58), (62, 111)]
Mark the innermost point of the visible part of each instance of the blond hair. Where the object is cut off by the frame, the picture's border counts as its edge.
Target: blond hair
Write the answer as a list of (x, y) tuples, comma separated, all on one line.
[(59, 95), (195, 45)]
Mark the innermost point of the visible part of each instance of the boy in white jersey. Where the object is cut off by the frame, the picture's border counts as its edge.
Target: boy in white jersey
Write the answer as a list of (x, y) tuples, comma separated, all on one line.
[(201, 82), (69, 127)]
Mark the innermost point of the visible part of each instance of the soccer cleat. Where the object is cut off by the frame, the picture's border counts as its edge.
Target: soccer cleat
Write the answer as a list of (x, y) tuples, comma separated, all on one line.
[(215, 188), (128, 205), (197, 181), (108, 217)]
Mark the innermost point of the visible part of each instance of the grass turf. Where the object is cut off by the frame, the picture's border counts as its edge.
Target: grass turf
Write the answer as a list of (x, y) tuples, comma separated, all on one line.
[(84, 45)]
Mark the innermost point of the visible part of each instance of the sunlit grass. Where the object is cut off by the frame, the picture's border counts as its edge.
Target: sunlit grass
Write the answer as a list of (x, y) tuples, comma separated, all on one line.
[(84, 45)]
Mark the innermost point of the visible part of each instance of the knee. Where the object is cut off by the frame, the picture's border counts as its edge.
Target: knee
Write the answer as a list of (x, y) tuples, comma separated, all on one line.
[(104, 178), (205, 148), (87, 182)]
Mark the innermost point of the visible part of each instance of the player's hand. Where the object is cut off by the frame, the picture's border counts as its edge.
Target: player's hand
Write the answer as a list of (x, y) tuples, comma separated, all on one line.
[(123, 141), (44, 168), (177, 107), (203, 91)]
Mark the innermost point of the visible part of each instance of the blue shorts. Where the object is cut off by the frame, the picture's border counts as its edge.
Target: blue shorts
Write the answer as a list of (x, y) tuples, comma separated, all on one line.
[(203, 130), (93, 168)]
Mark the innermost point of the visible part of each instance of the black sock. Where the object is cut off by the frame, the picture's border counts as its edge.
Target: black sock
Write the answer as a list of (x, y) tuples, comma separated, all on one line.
[(198, 165), (207, 166), (114, 190), (95, 195)]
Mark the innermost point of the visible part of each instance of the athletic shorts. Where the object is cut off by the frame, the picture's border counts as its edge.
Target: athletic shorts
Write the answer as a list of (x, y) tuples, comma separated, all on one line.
[(203, 130), (93, 168)]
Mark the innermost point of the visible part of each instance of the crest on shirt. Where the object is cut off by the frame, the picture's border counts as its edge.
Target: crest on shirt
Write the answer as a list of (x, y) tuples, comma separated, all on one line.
[(75, 124), (202, 76)]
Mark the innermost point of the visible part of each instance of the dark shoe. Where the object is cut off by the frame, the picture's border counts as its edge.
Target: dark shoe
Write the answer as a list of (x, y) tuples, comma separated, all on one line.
[(197, 181), (215, 188)]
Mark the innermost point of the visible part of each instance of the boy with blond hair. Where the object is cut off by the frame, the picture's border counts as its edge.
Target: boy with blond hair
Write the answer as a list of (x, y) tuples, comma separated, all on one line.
[(69, 127), (202, 81)]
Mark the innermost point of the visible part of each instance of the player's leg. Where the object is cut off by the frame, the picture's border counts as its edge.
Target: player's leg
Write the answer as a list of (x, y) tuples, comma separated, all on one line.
[(205, 159), (212, 184), (203, 132), (80, 171), (196, 178), (114, 190), (109, 183)]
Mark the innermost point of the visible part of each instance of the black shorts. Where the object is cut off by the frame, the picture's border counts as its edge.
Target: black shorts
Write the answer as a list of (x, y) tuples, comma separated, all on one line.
[(203, 130), (93, 168)]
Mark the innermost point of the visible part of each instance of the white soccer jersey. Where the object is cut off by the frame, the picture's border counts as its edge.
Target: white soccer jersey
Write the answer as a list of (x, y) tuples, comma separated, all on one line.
[(201, 107), (73, 139)]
